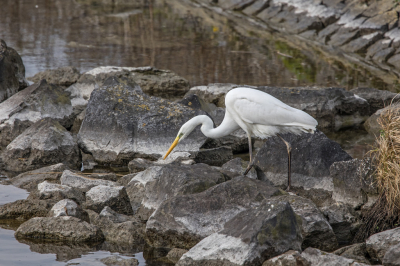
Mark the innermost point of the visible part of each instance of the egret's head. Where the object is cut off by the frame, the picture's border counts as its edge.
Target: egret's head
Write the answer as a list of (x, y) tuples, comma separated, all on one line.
[(185, 130)]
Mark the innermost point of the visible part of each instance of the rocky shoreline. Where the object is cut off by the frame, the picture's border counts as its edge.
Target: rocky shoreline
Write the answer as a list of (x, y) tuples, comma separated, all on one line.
[(196, 207)]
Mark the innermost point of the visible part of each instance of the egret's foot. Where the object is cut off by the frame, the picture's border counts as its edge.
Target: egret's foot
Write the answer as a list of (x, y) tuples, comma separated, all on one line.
[(248, 169)]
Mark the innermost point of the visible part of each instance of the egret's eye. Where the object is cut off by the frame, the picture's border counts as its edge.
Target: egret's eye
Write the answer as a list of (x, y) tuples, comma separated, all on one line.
[(180, 135)]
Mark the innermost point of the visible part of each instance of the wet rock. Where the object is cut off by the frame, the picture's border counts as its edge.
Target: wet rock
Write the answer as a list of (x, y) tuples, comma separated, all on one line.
[(30, 180), (174, 180), (318, 257), (114, 197), (353, 182), (81, 182), (315, 229), (32, 104), (118, 228), (67, 207), (135, 120), (312, 155), (392, 256), (58, 192), (182, 221), (357, 252), (118, 261), (274, 230), (372, 125), (12, 72), (343, 220), (153, 81), (377, 99), (380, 243), (44, 143), (289, 258), (62, 228), (139, 165), (175, 254), (215, 157), (25, 209), (236, 167), (63, 76)]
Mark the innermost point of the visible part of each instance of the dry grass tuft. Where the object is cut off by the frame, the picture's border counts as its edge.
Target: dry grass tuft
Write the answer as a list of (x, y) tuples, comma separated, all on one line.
[(385, 213)]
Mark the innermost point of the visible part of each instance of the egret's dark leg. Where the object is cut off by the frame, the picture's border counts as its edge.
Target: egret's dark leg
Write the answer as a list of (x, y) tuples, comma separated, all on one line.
[(289, 151), (251, 156)]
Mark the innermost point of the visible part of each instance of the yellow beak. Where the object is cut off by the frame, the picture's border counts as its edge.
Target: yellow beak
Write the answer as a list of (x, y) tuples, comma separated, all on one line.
[(172, 147)]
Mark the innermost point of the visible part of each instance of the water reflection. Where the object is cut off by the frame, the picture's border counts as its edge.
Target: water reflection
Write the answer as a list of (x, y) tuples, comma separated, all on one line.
[(193, 42)]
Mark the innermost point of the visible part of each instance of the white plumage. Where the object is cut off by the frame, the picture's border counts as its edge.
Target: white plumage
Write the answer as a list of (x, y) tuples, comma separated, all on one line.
[(258, 114)]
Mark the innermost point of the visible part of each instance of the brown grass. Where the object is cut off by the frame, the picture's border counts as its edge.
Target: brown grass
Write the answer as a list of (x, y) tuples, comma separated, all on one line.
[(385, 213)]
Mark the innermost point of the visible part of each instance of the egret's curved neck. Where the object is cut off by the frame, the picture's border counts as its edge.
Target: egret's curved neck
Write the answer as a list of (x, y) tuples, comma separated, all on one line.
[(227, 126)]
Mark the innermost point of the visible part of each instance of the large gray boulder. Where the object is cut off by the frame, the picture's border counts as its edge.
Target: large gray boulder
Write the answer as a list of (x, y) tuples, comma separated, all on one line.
[(315, 229), (30, 180), (380, 243), (182, 221), (353, 182), (114, 197), (44, 143), (139, 124), (12, 72), (32, 104), (63, 76), (250, 238), (53, 191), (173, 180), (62, 228), (312, 156)]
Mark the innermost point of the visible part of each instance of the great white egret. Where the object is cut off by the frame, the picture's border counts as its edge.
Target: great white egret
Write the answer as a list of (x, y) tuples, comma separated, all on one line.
[(258, 114)]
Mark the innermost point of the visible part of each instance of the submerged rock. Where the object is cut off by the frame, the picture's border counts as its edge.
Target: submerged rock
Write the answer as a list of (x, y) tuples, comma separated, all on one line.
[(182, 221), (44, 143), (135, 120), (12, 72), (62, 228), (32, 104), (250, 237), (312, 156)]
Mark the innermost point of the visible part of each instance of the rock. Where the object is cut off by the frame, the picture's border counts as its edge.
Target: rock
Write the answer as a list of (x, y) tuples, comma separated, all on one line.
[(392, 256), (353, 182), (343, 36), (377, 99), (25, 209), (372, 125), (62, 228), (118, 261), (32, 104), (173, 180), (76, 126), (139, 165), (12, 72), (118, 228), (395, 60), (124, 180), (182, 221), (357, 252), (44, 143), (30, 180), (312, 155), (343, 220), (67, 207), (315, 229), (375, 48), (320, 197), (58, 192), (81, 182), (63, 76), (103, 176), (212, 93), (317, 258), (175, 254), (274, 230), (115, 197), (236, 167), (135, 120), (237, 141), (153, 81), (289, 258), (215, 157), (361, 44), (378, 244)]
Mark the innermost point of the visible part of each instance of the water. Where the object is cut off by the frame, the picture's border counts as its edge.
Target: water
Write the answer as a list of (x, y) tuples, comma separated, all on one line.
[(194, 43)]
